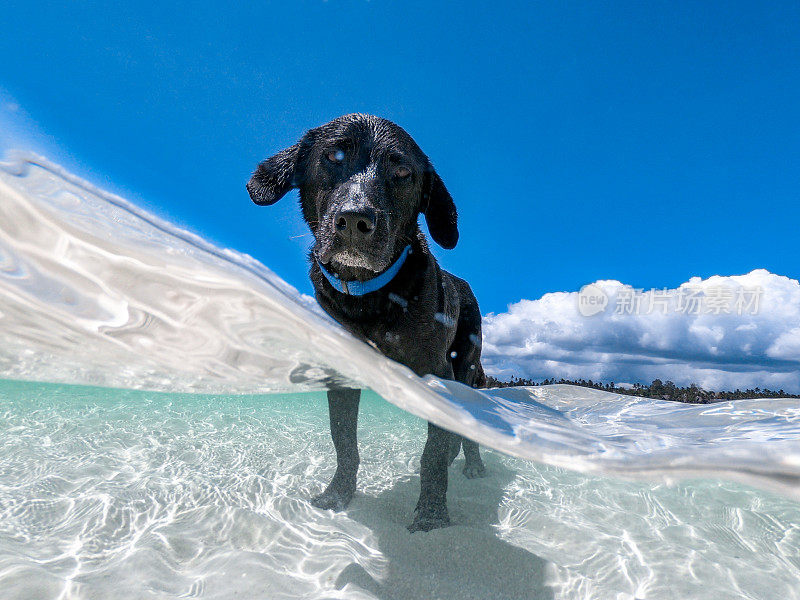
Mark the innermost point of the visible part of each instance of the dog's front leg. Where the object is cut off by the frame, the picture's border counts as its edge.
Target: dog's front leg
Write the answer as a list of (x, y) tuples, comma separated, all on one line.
[(431, 511), (343, 408)]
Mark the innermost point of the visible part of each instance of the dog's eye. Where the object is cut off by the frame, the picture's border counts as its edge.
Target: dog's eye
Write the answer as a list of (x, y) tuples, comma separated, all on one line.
[(402, 172), (336, 156)]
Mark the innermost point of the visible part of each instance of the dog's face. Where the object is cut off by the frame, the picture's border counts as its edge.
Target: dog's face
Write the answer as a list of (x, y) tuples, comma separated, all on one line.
[(363, 182)]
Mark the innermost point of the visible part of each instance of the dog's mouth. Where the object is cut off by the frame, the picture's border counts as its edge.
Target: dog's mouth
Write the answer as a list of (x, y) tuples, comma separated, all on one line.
[(347, 260), (350, 263), (352, 258)]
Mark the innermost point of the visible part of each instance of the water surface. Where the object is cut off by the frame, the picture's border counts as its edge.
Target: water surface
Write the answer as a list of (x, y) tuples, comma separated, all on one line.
[(182, 462)]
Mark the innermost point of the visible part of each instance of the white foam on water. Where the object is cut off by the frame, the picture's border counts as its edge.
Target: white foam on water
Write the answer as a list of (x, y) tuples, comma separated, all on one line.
[(172, 501)]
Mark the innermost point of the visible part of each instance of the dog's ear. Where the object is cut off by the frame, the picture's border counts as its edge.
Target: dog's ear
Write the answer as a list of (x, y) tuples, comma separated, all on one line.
[(440, 211), (274, 177)]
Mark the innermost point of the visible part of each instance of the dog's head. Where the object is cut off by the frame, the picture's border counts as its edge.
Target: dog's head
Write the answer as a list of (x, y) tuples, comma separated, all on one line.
[(363, 182)]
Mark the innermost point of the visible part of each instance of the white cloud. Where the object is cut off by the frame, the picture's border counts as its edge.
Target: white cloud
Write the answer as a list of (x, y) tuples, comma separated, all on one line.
[(721, 333)]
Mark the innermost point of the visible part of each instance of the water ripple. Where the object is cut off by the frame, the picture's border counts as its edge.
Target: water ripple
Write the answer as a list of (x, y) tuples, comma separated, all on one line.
[(193, 495)]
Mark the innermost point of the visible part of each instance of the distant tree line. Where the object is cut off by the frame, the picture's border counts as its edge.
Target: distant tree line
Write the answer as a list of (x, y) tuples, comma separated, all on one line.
[(663, 390)]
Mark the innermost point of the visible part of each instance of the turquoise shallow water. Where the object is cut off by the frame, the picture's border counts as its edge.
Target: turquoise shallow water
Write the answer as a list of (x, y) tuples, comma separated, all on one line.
[(132, 494), (180, 426)]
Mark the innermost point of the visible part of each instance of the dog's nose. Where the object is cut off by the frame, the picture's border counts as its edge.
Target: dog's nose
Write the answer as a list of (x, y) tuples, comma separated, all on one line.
[(355, 224)]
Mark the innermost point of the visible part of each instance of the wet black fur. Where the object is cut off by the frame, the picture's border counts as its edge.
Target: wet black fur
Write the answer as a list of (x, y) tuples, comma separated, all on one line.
[(425, 317)]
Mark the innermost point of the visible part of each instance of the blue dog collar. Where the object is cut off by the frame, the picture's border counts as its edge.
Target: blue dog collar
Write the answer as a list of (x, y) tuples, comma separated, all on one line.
[(359, 288)]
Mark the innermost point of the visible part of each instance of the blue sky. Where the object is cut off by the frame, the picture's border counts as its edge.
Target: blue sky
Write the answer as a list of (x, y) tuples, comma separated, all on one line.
[(643, 142)]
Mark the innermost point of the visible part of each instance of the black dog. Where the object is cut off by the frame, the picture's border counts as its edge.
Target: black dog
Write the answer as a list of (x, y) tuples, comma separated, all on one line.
[(363, 183)]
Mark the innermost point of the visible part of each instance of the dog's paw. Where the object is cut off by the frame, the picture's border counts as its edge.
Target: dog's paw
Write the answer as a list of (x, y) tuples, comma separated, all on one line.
[(474, 470), (426, 520), (332, 499)]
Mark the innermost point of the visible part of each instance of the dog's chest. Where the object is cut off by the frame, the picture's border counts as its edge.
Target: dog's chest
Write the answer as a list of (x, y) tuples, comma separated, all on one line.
[(421, 342), (417, 340), (417, 332)]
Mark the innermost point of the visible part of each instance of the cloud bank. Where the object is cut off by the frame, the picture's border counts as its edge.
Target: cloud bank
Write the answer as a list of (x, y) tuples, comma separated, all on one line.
[(721, 333)]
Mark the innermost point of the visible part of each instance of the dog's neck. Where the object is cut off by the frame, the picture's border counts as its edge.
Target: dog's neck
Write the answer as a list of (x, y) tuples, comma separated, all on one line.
[(389, 298), (354, 287)]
